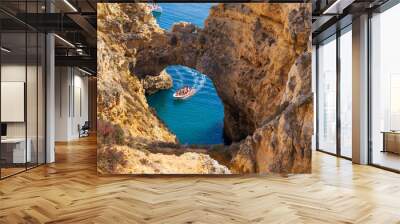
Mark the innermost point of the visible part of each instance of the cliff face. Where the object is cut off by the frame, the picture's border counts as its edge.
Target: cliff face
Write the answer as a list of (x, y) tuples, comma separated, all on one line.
[(283, 144), (258, 56), (250, 50), (121, 99)]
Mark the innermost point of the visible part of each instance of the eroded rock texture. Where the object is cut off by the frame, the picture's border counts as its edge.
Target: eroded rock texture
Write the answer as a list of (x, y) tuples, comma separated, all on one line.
[(121, 96), (153, 84), (258, 56)]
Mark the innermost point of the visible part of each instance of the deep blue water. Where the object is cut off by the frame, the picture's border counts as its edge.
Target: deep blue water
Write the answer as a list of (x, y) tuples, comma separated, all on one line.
[(195, 13), (198, 119)]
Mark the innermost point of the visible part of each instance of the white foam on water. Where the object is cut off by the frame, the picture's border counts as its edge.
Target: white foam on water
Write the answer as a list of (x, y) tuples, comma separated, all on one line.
[(208, 87), (200, 81), (179, 80), (183, 76)]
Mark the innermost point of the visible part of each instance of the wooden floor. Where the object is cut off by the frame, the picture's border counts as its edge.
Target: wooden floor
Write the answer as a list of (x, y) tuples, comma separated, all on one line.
[(5, 172), (70, 191), (386, 159)]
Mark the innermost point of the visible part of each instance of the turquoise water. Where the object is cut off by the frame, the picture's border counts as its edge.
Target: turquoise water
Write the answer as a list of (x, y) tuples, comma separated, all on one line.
[(198, 119)]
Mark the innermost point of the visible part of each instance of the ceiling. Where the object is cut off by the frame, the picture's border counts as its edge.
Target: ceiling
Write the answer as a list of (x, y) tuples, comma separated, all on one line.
[(332, 15), (75, 22)]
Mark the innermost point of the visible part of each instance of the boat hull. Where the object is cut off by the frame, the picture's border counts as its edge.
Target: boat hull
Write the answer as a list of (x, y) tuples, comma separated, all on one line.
[(183, 97)]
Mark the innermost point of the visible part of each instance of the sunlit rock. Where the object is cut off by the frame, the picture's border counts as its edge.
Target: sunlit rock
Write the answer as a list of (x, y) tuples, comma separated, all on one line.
[(153, 84)]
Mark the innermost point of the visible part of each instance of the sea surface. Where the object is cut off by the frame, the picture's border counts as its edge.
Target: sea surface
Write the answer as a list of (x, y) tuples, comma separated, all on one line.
[(198, 119), (195, 13)]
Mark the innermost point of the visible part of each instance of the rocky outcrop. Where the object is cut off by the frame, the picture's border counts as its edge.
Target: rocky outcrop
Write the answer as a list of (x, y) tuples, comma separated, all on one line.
[(129, 161), (253, 47), (257, 55), (153, 84), (121, 96)]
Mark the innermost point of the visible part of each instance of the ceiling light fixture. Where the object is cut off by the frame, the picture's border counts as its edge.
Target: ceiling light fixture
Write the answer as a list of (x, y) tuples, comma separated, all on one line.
[(5, 50), (337, 7), (84, 71), (79, 51), (65, 41), (70, 5)]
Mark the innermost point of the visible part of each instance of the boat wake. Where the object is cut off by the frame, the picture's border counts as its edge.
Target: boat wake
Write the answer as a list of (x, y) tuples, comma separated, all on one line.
[(188, 77), (199, 80)]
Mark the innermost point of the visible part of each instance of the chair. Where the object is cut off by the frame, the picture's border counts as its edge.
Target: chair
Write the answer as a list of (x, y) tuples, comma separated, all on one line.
[(84, 130)]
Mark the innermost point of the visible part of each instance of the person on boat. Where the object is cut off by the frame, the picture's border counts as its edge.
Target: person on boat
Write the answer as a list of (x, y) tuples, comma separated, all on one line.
[(183, 91)]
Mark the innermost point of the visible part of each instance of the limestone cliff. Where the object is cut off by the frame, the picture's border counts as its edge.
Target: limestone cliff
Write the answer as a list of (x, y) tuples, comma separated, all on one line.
[(283, 144), (257, 55), (121, 99), (253, 47)]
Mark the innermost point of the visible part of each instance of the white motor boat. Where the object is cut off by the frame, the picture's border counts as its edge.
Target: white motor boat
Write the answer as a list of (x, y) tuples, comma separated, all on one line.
[(184, 93)]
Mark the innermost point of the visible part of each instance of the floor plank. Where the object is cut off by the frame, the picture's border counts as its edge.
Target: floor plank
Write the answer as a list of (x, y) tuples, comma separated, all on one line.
[(70, 191)]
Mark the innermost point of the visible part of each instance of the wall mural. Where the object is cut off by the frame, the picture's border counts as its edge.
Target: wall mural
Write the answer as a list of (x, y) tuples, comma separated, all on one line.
[(204, 88)]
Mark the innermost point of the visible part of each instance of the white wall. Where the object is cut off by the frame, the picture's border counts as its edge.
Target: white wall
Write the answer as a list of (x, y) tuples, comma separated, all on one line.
[(80, 110), (62, 81), (33, 126), (12, 73), (16, 73), (71, 102)]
